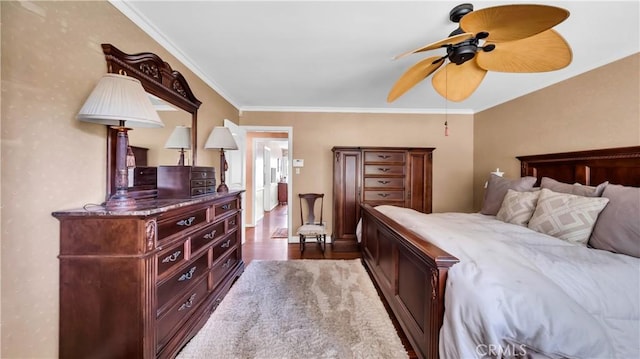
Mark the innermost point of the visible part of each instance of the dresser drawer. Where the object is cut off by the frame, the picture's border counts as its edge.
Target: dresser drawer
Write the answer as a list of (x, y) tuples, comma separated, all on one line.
[(182, 279), (172, 225), (206, 236), (224, 245), (171, 257), (372, 182), (171, 321), (383, 156), (221, 268), (383, 195), (383, 169), (199, 191), (222, 208), (233, 222)]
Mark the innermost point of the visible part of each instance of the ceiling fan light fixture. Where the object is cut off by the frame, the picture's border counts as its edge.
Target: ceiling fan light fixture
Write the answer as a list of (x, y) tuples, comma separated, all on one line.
[(515, 38)]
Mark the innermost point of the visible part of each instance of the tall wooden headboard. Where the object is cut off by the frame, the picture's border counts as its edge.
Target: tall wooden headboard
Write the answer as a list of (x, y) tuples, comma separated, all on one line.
[(617, 165)]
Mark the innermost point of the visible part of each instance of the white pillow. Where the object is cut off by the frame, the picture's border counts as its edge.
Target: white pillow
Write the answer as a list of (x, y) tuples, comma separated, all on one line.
[(566, 216), (518, 207)]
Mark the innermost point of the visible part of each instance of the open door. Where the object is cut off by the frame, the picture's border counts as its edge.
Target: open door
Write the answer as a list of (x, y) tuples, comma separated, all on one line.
[(236, 174)]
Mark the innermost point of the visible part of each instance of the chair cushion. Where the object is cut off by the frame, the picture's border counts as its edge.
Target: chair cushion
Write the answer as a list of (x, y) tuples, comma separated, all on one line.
[(311, 229)]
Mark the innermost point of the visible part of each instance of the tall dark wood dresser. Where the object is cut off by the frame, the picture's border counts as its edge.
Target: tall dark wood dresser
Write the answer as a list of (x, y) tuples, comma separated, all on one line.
[(141, 283), (399, 176)]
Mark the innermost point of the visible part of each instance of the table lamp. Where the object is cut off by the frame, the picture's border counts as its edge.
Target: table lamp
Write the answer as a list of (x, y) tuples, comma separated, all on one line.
[(221, 138), (119, 101), (180, 139)]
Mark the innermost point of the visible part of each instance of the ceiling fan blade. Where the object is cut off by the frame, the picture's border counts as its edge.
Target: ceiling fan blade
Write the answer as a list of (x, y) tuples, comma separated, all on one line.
[(438, 44), (457, 82), (413, 75), (513, 22), (546, 51)]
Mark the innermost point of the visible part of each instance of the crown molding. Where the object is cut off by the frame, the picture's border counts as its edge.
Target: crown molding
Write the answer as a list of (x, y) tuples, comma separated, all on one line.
[(420, 111)]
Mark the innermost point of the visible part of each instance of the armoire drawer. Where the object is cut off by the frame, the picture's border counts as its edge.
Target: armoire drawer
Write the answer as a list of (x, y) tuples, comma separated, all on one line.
[(383, 195), (182, 279), (383, 156), (179, 312), (382, 182), (383, 169), (206, 236), (172, 225)]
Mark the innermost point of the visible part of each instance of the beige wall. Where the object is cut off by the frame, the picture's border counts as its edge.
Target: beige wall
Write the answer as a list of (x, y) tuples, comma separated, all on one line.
[(314, 134), (51, 60), (597, 109)]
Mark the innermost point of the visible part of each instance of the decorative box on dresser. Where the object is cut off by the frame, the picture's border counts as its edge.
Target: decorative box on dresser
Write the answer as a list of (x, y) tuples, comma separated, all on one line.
[(399, 176), (185, 181), (141, 283)]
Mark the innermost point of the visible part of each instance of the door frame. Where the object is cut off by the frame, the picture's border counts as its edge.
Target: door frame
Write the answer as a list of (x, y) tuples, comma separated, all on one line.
[(289, 131)]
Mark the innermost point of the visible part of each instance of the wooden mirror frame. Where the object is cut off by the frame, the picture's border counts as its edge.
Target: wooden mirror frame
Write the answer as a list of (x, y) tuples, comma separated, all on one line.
[(158, 79)]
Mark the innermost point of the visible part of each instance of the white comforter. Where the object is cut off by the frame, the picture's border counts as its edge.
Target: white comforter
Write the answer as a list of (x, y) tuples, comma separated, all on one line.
[(516, 291)]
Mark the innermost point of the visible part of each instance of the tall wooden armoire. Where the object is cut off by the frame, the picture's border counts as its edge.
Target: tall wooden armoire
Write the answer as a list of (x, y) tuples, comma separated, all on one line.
[(399, 176)]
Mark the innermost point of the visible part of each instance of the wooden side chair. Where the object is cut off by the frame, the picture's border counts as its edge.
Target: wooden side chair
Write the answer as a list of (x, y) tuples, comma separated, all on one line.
[(311, 219)]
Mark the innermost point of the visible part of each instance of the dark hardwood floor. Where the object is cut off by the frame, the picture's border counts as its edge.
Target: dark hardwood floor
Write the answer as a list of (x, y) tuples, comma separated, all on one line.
[(259, 245)]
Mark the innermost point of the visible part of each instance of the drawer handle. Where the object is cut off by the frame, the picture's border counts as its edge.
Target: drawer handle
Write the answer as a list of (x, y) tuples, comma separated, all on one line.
[(383, 195), (187, 275), (227, 263), (384, 157), (226, 206), (232, 222), (210, 235), (171, 258), (226, 244), (384, 182), (188, 303), (186, 222), (384, 169)]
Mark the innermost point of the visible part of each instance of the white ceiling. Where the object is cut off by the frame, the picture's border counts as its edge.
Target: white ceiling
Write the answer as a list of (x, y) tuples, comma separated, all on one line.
[(337, 55)]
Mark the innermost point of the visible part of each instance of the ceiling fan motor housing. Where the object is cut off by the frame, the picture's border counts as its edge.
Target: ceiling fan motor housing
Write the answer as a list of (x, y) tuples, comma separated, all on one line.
[(462, 53)]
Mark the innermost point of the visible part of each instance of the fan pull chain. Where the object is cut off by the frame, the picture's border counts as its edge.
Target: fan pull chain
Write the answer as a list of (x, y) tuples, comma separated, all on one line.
[(446, 128)]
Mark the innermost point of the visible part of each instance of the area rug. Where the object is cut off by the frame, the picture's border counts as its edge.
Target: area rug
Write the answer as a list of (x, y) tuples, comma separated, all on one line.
[(280, 233), (299, 309)]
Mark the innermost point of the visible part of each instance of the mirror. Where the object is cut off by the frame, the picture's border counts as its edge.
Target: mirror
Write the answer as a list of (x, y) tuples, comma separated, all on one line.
[(154, 139), (159, 80)]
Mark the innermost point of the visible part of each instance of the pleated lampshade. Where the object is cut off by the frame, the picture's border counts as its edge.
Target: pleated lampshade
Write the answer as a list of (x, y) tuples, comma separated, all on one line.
[(119, 98), (180, 138)]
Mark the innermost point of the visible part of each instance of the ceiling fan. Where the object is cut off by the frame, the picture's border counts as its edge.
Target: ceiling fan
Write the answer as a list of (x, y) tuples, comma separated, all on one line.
[(507, 38)]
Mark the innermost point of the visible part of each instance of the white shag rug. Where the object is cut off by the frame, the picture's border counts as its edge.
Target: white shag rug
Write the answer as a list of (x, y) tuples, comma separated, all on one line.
[(299, 309)]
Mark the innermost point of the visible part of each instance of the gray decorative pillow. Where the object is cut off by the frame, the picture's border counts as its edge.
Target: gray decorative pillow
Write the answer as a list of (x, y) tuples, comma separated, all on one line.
[(566, 216), (577, 188), (518, 207), (497, 188), (618, 226)]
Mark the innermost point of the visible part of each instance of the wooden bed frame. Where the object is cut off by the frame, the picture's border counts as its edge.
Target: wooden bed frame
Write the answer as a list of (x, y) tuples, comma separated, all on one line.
[(411, 273)]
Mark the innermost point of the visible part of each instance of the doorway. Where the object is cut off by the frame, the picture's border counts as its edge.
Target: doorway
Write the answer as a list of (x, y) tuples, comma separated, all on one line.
[(268, 165)]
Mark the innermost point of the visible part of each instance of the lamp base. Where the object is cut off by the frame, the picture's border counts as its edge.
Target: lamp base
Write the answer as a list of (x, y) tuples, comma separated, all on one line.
[(120, 202), (222, 188)]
